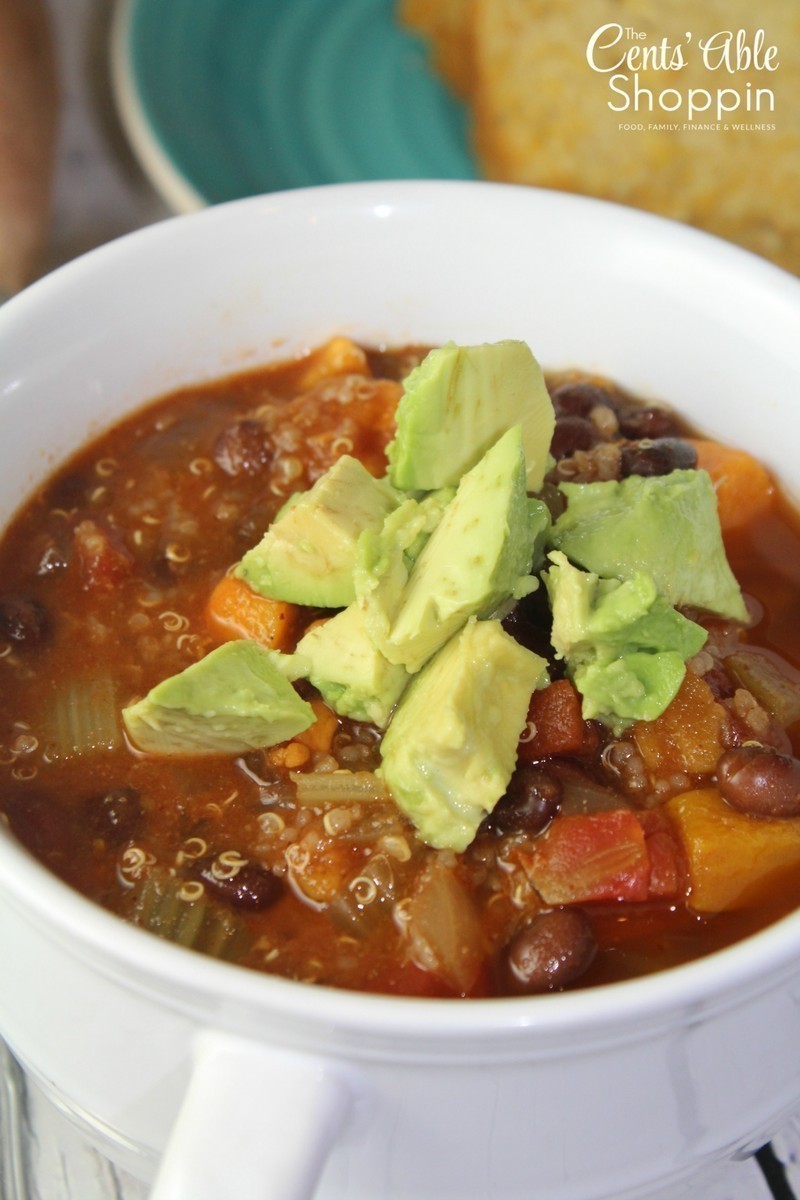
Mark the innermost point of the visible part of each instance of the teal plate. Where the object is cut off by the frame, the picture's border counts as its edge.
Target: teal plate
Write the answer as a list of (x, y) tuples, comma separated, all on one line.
[(228, 98)]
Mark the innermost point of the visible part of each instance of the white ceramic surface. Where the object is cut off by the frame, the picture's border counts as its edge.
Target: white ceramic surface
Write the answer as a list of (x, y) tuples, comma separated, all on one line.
[(598, 1094)]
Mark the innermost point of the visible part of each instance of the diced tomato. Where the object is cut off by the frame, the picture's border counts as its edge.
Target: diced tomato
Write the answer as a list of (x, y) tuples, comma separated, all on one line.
[(559, 728), (667, 865), (595, 857), (104, 563)]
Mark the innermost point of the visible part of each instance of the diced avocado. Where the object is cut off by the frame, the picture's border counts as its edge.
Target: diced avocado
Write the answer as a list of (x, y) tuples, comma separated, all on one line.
[(541, 522), (288, 505), (458, 402), (405, 531), (666, 526), (308, 553), (624, 644), (348, 669), (385, 559), (451, 747), (478, 555), (418, 524), (233, 700), (636, 686)]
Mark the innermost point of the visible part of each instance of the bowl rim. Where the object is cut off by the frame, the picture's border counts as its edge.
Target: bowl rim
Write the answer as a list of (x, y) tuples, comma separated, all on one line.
[(722, 978), (386, 198)]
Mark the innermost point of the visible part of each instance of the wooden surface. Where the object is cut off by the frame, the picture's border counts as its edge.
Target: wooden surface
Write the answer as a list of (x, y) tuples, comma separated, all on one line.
[(99, 190)]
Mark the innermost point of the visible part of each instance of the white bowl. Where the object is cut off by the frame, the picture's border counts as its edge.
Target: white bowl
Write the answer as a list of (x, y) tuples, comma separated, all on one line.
[(248, 1086)]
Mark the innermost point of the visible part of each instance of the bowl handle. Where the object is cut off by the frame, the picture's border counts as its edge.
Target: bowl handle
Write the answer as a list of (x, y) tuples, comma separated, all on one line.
[(255, 1122)]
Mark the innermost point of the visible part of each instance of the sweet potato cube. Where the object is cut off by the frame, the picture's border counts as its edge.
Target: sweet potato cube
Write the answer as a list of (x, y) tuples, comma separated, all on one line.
[(688, 736), (744, 488), (319, 736), (234, 611), (733, 860), (339, 356)]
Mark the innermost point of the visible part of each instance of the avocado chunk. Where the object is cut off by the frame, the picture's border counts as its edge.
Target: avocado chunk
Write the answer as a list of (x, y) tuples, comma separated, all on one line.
[(458, 402), (415, 520), (349, 671), (402, 537), (451, 746), (479, 554), (624, 644), (233, 700), (666, 526), (385, 560), (308, 553)]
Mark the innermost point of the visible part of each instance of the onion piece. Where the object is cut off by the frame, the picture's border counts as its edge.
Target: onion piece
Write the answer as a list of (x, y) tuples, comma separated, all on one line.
[(581, 793), (770, 680), (443, 929)]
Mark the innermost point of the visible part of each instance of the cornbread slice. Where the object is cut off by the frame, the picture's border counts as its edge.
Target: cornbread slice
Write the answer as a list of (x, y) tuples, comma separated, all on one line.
[(446, 25), (542, 115)]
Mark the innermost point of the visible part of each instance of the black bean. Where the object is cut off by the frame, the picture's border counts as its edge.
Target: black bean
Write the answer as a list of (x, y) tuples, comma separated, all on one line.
[(553, 498), (572, 433), (249, 885), (242, 448), (578, 399), (638, 422), (530, 622), (760, 781), (657, 457), (23, 621), (531, 801), (116, 816), (548, 953)]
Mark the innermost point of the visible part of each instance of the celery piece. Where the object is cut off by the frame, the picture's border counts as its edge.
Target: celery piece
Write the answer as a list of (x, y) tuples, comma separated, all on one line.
[(338, 787), (198, 924), (84, 719)]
